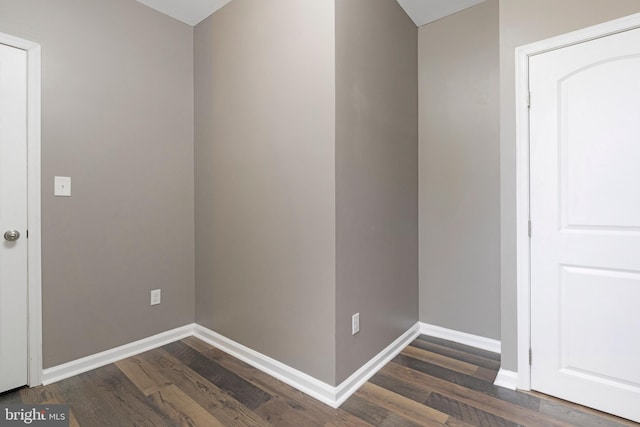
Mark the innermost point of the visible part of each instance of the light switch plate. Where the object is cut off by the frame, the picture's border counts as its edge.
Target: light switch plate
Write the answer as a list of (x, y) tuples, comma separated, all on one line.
[(355, 323), (156, 297), (62, 186)]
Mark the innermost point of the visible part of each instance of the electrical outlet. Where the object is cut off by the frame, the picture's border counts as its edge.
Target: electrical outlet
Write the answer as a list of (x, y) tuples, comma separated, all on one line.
[(156, 297), (355, 323)]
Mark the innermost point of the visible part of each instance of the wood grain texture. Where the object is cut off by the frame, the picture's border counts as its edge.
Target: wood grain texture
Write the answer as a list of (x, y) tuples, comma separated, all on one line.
[(410, 409), (189, 383), (181, 409), (206, 394), (440, 360)]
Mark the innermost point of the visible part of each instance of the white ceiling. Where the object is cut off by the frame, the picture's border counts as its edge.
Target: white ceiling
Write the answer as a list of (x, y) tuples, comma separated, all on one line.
[(425, 11), (192, 12)]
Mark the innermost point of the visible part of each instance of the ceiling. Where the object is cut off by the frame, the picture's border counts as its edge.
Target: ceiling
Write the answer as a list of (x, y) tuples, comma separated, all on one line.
[(425, 11), (192, 12)]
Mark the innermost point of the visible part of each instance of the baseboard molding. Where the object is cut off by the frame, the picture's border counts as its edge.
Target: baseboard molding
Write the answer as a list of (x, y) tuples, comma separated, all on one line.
[(332, 396), (362, 375), (79, 366), (319, 390), (476, 341), (295, 378), (506, 379)]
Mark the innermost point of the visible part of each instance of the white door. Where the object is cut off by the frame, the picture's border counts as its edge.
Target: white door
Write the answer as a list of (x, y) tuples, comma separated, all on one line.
[(13, 218), (585, 212)]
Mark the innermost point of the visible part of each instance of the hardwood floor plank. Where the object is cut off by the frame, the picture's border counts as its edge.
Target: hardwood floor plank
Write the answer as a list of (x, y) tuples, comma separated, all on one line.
[(579, 416), (408, 408), (466, 413), (340, 421), (217, 402), (105, 396), (281, 413), (376, 415), (181, 409), (440, 360), (37, 395), (86, 403), (477, 399), (279, 390), (197, 344), (419, 393), (241, 390), (462, 347), (486, 374), (472, 383), (125, 399), (401, 387), (454, 422), (11, 398), (147, 380), (457, 354)]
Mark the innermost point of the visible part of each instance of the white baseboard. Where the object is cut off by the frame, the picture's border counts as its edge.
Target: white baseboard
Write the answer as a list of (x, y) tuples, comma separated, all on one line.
[(332, 396), (362, 375), (476, 341), (303, 382), (75, 367), (506, 379)]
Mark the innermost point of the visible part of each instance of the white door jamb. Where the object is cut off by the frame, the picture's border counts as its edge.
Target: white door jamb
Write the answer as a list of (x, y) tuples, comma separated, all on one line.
[(34, 269), (523, 259)]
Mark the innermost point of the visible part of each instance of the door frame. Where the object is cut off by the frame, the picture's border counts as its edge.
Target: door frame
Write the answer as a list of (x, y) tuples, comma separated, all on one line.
[(34, 242), (523, 248)]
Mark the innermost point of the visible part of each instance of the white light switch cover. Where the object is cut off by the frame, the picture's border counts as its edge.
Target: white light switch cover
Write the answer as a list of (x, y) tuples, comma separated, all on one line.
[(156, 296), (62, 186)]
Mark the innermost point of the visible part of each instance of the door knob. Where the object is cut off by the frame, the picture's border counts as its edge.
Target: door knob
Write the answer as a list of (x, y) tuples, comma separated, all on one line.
[(11, 235)]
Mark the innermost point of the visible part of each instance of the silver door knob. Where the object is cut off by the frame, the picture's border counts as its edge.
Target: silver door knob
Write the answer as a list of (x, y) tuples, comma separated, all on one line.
[(11, 235)]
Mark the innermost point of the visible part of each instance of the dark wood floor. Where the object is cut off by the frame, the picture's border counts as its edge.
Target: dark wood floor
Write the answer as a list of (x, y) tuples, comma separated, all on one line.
[(189, 383)]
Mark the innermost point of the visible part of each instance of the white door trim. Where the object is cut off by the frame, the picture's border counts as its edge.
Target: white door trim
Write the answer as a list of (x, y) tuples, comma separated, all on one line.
[(523, 258), (34, 269)]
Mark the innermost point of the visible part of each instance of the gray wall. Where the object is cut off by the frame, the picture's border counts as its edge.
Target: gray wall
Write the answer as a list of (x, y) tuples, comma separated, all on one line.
[(117, 116), (265, 179), (460, 172), (523, 22), (376, 178)]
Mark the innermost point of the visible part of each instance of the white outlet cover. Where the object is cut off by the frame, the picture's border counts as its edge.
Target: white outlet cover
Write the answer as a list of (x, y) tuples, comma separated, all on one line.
[(62, 186), (156, 296), (355, 323)]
